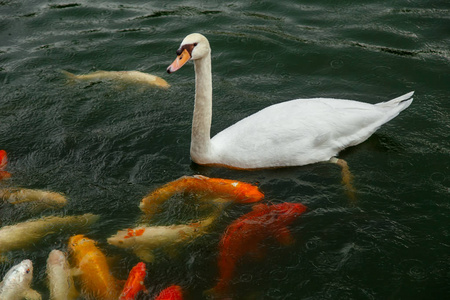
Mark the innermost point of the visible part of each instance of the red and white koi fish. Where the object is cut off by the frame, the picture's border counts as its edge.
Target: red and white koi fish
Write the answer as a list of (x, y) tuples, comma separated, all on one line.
[(246, 234), (173, 292), (143, 240), (16, 283), (3, 163), (202, 187), (135, 282)]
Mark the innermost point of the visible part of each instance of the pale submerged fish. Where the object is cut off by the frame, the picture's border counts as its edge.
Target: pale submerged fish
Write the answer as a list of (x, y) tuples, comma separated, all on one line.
[(16, 283), (33, 200), (144, 239), (126, 77), (60, 281), (25, 234)]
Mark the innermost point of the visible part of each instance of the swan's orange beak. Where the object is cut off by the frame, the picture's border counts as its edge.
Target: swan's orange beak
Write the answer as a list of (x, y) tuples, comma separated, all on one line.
[(179, 61)]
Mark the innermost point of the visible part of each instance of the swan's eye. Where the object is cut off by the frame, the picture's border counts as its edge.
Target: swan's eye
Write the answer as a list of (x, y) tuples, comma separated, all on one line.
[(195, 44)]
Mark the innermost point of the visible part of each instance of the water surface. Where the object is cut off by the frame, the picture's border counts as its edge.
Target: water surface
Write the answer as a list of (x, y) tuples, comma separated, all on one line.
[(107, 147)]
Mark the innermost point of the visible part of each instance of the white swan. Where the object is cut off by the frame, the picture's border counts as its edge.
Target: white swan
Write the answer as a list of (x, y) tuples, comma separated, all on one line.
[(291, 133)]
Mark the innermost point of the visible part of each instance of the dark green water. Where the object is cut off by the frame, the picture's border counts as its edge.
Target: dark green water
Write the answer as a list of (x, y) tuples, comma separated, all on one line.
[(106, 148)]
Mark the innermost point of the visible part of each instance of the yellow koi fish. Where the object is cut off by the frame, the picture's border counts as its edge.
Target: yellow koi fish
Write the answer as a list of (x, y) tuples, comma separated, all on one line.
[(133, 77), (96, 279)]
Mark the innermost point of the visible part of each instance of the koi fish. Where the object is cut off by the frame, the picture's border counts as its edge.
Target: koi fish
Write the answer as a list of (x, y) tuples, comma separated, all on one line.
[(60, 280), (173, 292), (135, 282), (96, 279), (27, 233), (224, 189), (3, 163), (135, 77), (33, 200), (16, 283), (143, 240), (246, 234)]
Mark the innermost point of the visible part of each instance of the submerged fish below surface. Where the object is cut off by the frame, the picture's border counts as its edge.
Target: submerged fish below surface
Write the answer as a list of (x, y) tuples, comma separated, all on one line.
[(173, 292), (95, 276), (246, 234), (143, 240), (135, 282), (133, 77), (60, 281), (33, 200), (3, 163), (16, 283), (25, 234), (227, 190)]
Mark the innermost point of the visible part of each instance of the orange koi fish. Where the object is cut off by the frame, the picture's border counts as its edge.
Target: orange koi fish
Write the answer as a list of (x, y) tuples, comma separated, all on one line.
[(96, 279), (135, 282), (3, 163), (225, 189), (173, 292), (246, 234)]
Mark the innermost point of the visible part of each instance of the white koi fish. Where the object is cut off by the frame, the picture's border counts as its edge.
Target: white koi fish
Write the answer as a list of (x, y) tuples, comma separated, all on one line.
[(33, 200), (144, 239), (16, 283), (27, 233), (134, 77), (60, 281)]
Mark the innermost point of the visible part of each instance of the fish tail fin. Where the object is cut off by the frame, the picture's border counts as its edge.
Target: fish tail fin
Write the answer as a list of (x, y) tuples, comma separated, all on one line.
[(70, 76)]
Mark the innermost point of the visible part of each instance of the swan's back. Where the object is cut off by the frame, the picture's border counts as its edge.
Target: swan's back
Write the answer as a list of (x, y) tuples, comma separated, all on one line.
[(301, 131)]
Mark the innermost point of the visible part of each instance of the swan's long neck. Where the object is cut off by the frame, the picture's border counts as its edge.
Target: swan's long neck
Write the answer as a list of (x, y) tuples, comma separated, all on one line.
[(201, 123)]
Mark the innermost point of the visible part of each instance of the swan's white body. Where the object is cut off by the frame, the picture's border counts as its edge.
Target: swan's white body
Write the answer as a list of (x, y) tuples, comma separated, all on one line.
[(291, 133)]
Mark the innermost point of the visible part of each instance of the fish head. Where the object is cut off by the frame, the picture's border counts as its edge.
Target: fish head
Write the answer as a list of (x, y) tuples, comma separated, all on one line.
[(140, 268), (174, 292), (78, 242), (21, 274), (126, 238), (138, 273), (56, 257), (249, 193)]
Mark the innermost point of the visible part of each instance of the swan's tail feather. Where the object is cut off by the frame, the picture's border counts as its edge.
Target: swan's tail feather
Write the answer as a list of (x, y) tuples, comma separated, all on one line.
[(395, 106), (404, 101)]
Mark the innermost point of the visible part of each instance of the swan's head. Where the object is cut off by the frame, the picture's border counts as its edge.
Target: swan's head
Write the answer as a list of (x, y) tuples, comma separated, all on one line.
[(194, 46)]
